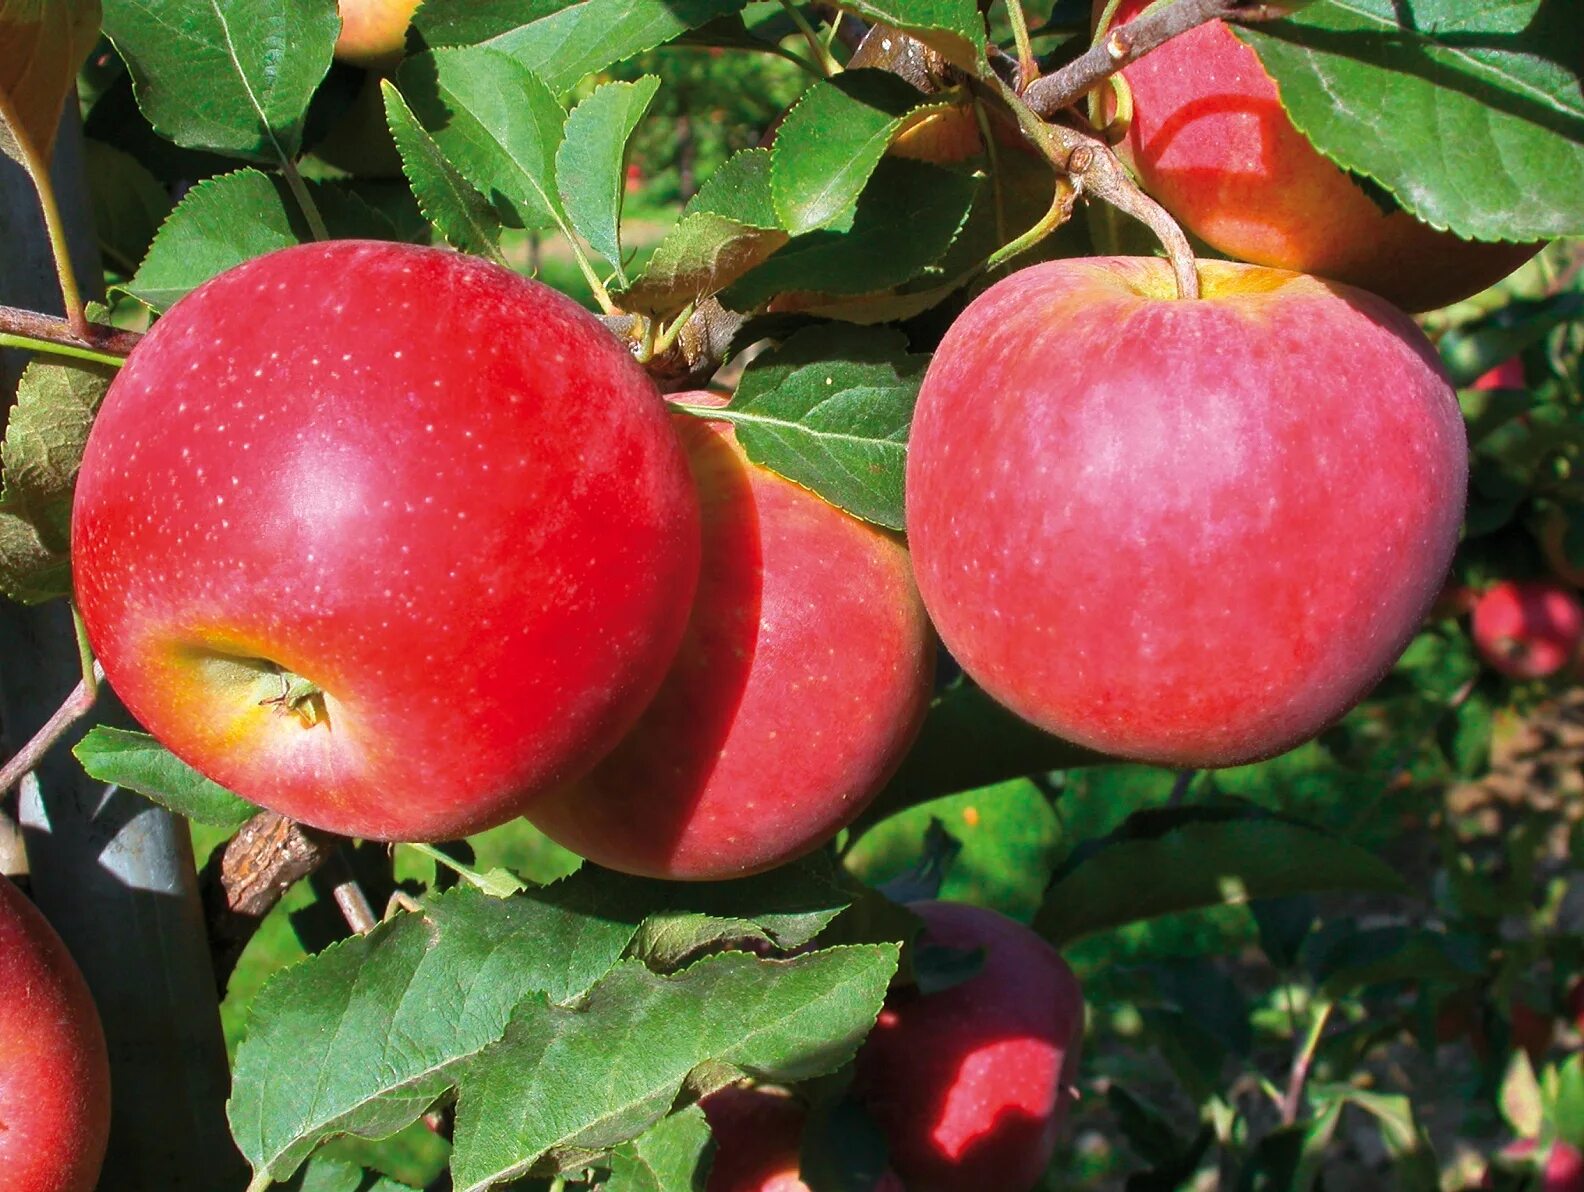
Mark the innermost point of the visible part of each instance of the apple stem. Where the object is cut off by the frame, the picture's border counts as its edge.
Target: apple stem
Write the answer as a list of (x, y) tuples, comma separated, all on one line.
[(1115, 48), (41, 333), (72, 709)]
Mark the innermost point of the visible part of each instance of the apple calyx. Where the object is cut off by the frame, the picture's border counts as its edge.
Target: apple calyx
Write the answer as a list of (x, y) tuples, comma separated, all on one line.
[(299, 697)]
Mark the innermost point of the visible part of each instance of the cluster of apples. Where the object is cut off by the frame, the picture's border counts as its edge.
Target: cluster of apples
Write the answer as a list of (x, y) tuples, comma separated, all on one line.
[(408, 577)]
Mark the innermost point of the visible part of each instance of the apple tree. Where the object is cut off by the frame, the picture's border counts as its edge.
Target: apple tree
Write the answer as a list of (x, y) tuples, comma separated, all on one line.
[(745, 594)]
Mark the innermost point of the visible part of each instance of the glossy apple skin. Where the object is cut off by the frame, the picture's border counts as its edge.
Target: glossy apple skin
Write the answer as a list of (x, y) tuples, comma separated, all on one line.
[(374, 32), (970, 1084), (54, 1071), (802, 680), (758, 1135), (1528, 629), (443, 493), (1210, 140), (1192, 533)]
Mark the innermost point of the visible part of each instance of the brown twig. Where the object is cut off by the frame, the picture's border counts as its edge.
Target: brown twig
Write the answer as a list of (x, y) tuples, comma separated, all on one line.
[(98, 338), (1127, 43), (73, 708), (348, 894), (242, 882)]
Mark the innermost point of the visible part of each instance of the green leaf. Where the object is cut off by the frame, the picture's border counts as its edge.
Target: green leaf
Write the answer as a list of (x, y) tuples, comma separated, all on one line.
[(591, 163), (363, 1037), (1009, 836), (31, 571), (529, 1104), (495, 120), (952, 28), (726, 230), (569, 44), (699, 257), (786, 908), (129, 204), (42, 43), (905, 221), (468, 22), (831, 141), (230, 76), (464, 217), (45, 433), (224, 221), (333, 1175), (140, 763), (1484, 129), (1520, 1098), (1465, 735), (1199, 857), (670, 1156), (830, 409), (1471, 351)]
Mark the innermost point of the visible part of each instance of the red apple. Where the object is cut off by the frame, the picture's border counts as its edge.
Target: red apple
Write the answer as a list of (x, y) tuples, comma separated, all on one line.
[(970, 1084), (1210, 140), (801, 682), (1564, 1165), (441, 494), (1192, 533), (1528, 629), (54, 1072), (758, 1135), (374, 32), (1509, 374)]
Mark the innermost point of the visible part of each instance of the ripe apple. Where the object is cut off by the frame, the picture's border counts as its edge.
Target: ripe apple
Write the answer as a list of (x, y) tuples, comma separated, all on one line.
[(1509, 374), (1192, 533), (54, 1071), (386, 539), (801, 682), (758, 1135), (1564, 1165), (970, 1084), (1210, 140), (1528, 629), (374, 32)]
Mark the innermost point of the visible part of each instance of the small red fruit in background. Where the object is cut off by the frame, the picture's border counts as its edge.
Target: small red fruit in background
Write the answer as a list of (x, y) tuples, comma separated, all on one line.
[(54, 1072), (386, 539), (801, 682), (1192, 533), (1210, 140), (1509, 374), (758, 1135), (970, 1084), (1563, 1170), (1528, 629)]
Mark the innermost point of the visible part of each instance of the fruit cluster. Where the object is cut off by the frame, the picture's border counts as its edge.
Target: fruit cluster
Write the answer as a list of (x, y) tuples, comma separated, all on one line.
[(401, 545)]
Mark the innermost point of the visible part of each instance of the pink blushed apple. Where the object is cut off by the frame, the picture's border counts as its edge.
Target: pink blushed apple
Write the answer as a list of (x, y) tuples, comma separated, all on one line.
[(1210, 140), (374, 32), (386, 539), (801, 682), (970, 1084), (1528, 629), (54, 1071), (1189, 532)]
